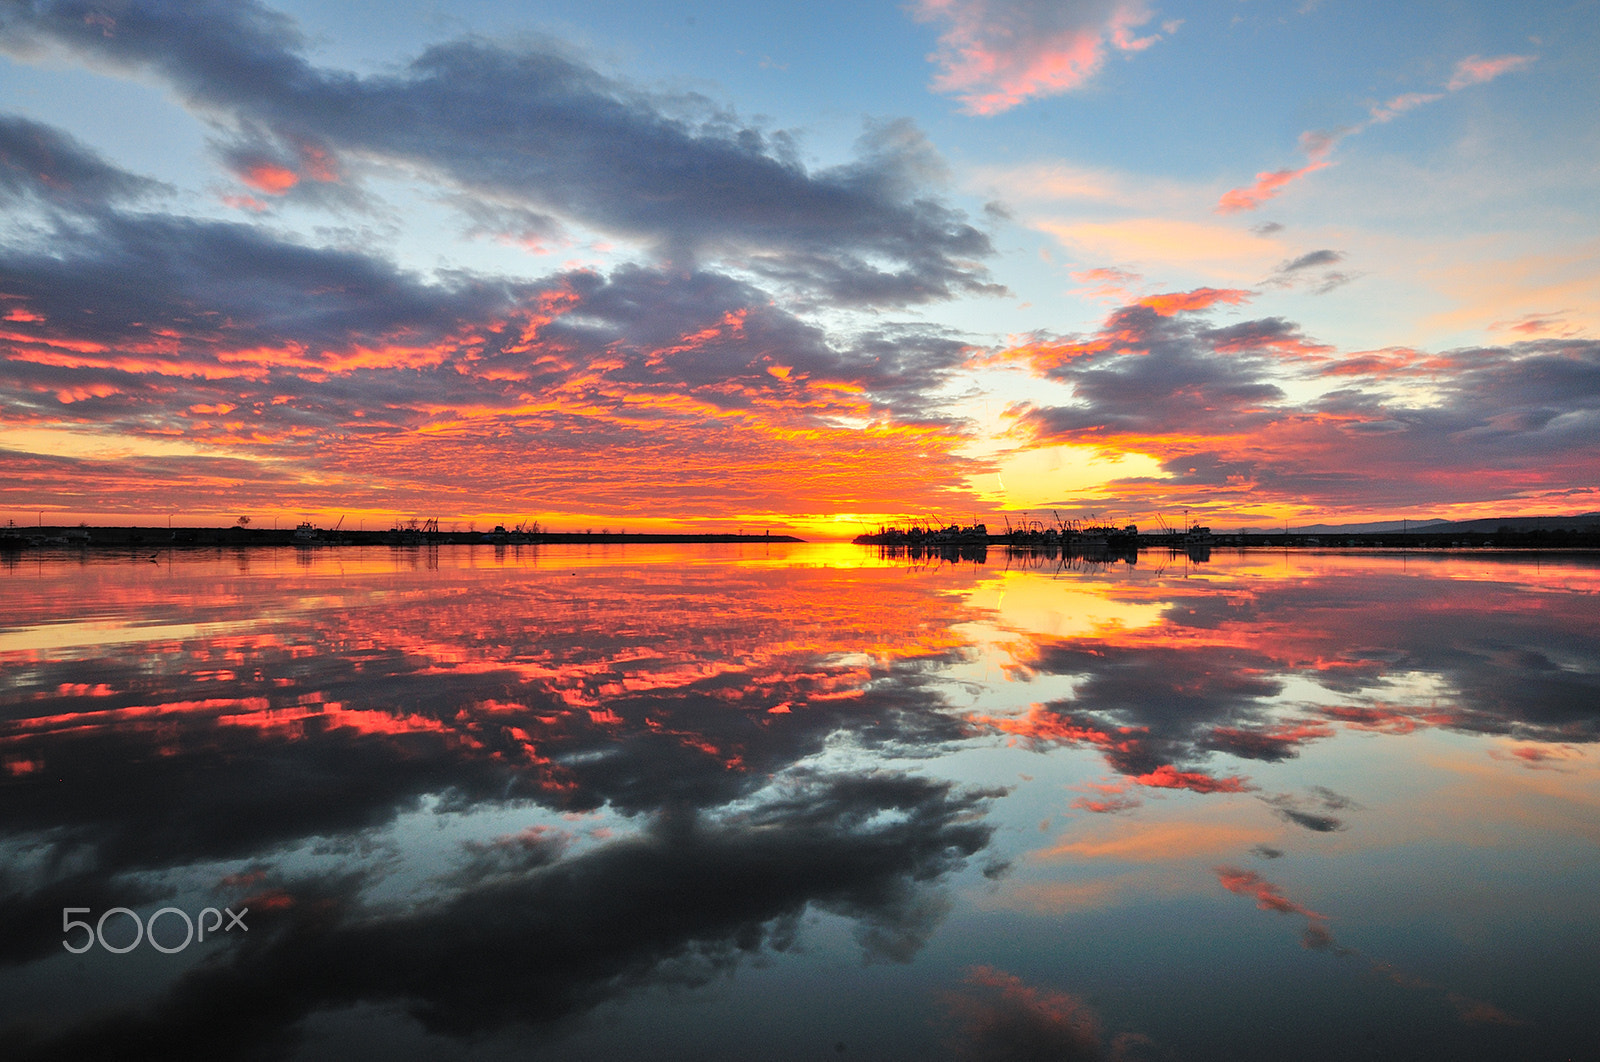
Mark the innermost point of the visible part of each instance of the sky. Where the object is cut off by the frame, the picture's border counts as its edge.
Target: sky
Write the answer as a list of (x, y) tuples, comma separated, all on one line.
[(807, 267)]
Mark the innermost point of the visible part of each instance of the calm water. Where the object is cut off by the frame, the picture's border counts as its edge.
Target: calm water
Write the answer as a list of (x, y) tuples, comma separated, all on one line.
[(799, 803)]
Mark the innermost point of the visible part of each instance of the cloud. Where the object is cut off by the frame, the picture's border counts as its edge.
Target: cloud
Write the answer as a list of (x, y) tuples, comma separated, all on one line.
[(1476, 70), (1292, 272), (1311, 812), (1000, 1017), (532, 128), (1554, 323), (680, 903), (1317, 937), (42, 165), (666, 714), (1279, 741), (1269, 897), (1108, 805), (554, 717), (1165, 719), (1167, 776), (1400, 104), (1318, 144), (997, 54), (1164, 380), (1538, 757), (1311, 259), (1147, 710), (1267, 186), (1212, 403), (1169, 303), (253, 349), (1106, 282)]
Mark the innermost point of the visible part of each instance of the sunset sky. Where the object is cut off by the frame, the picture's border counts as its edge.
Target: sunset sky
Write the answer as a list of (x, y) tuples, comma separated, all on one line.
[(809, 266)]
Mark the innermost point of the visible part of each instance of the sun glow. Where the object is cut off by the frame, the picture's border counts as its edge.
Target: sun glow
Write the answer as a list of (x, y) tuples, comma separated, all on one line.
[(1055, 475)]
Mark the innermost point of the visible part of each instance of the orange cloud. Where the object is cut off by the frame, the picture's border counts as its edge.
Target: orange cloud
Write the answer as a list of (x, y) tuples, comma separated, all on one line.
[(1154, 842), (1199, 299), (67, 396), (269, 177)]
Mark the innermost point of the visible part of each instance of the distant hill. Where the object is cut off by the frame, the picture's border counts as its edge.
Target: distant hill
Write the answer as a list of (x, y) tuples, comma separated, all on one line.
[(1487, 525), (1376, 528), (1580, 522)]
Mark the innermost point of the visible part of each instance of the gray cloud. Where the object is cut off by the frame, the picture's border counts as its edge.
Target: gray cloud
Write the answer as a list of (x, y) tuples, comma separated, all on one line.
[(689, 898), (40, 164), (535, 130), (1175, 380), (1310, 260), (1311, 271), (1462, 425)]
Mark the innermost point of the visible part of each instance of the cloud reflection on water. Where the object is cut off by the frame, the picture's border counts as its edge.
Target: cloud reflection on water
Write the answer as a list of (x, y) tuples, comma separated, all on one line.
[(1159, 701), (675, 762)]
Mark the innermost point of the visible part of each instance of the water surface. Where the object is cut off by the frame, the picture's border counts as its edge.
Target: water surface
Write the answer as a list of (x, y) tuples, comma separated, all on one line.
[(801, 802)]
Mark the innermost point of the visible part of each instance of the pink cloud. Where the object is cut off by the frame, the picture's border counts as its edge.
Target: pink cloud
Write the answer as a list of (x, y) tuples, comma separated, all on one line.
[(1318, 144), (1400, 104), (1475, 69), (998, 1015), (1267, 186), (244, 202), (997, 54), (1105, 281), (1108, 805), (1531, 325), (1269, 897), (1169, 777), (1538, 757)]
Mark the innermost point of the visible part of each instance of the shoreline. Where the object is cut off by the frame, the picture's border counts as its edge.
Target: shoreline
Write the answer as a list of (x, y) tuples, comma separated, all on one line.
[(113, 537), (56, 537)]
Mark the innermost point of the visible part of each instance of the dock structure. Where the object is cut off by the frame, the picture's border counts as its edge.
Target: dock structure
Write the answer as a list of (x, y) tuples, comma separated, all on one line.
[(1034, 536)]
